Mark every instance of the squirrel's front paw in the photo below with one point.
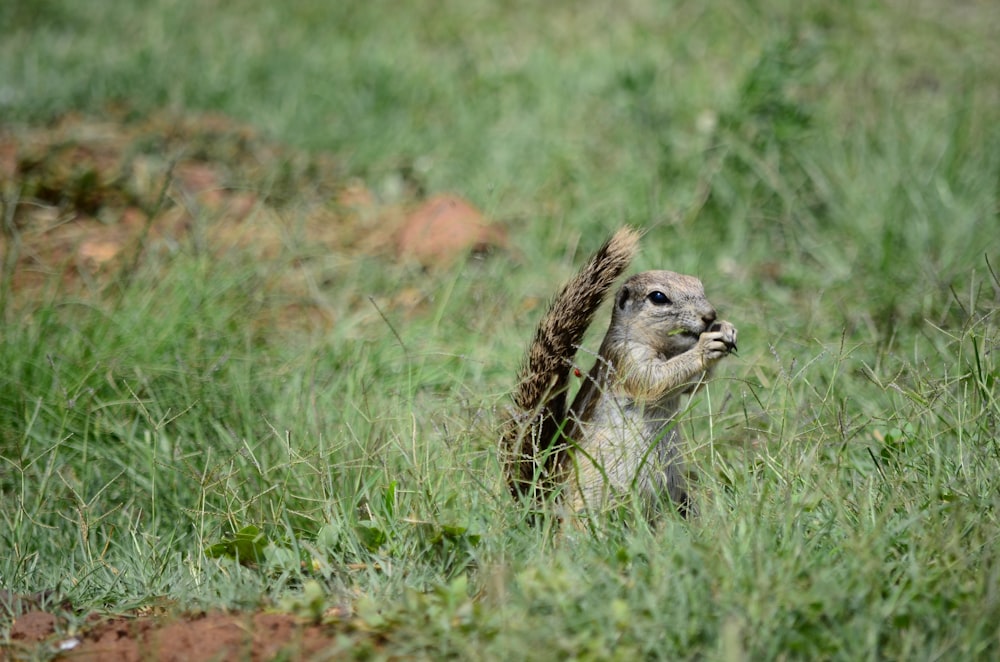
(728, 332)
(719, 340)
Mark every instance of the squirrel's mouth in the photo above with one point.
(684, 335)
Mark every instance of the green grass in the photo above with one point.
(829, 170)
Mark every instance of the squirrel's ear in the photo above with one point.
(622, 297)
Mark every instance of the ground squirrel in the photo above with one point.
(619, 434)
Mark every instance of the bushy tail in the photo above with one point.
(530, 435)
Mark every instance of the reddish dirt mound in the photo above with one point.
(443, 228)
(90, 197)
(204, 636)
(212, 636)
(33, 627)
(83, 194)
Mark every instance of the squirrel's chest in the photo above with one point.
(623, 422)
(628, 443)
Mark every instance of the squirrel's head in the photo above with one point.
(664, 310)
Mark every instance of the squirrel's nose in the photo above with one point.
(708, 317)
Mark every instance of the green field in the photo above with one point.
(831, 171)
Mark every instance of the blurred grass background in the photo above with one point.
(830, 171)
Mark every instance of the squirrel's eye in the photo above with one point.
(658, 298)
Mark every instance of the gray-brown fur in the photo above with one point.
(531, 432)
(622, 420)
(619, 434)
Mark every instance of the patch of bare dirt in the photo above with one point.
(84, 199)
(33, 626)
(211, 636)
(444, 228)
(82, 194)
(216, 635)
